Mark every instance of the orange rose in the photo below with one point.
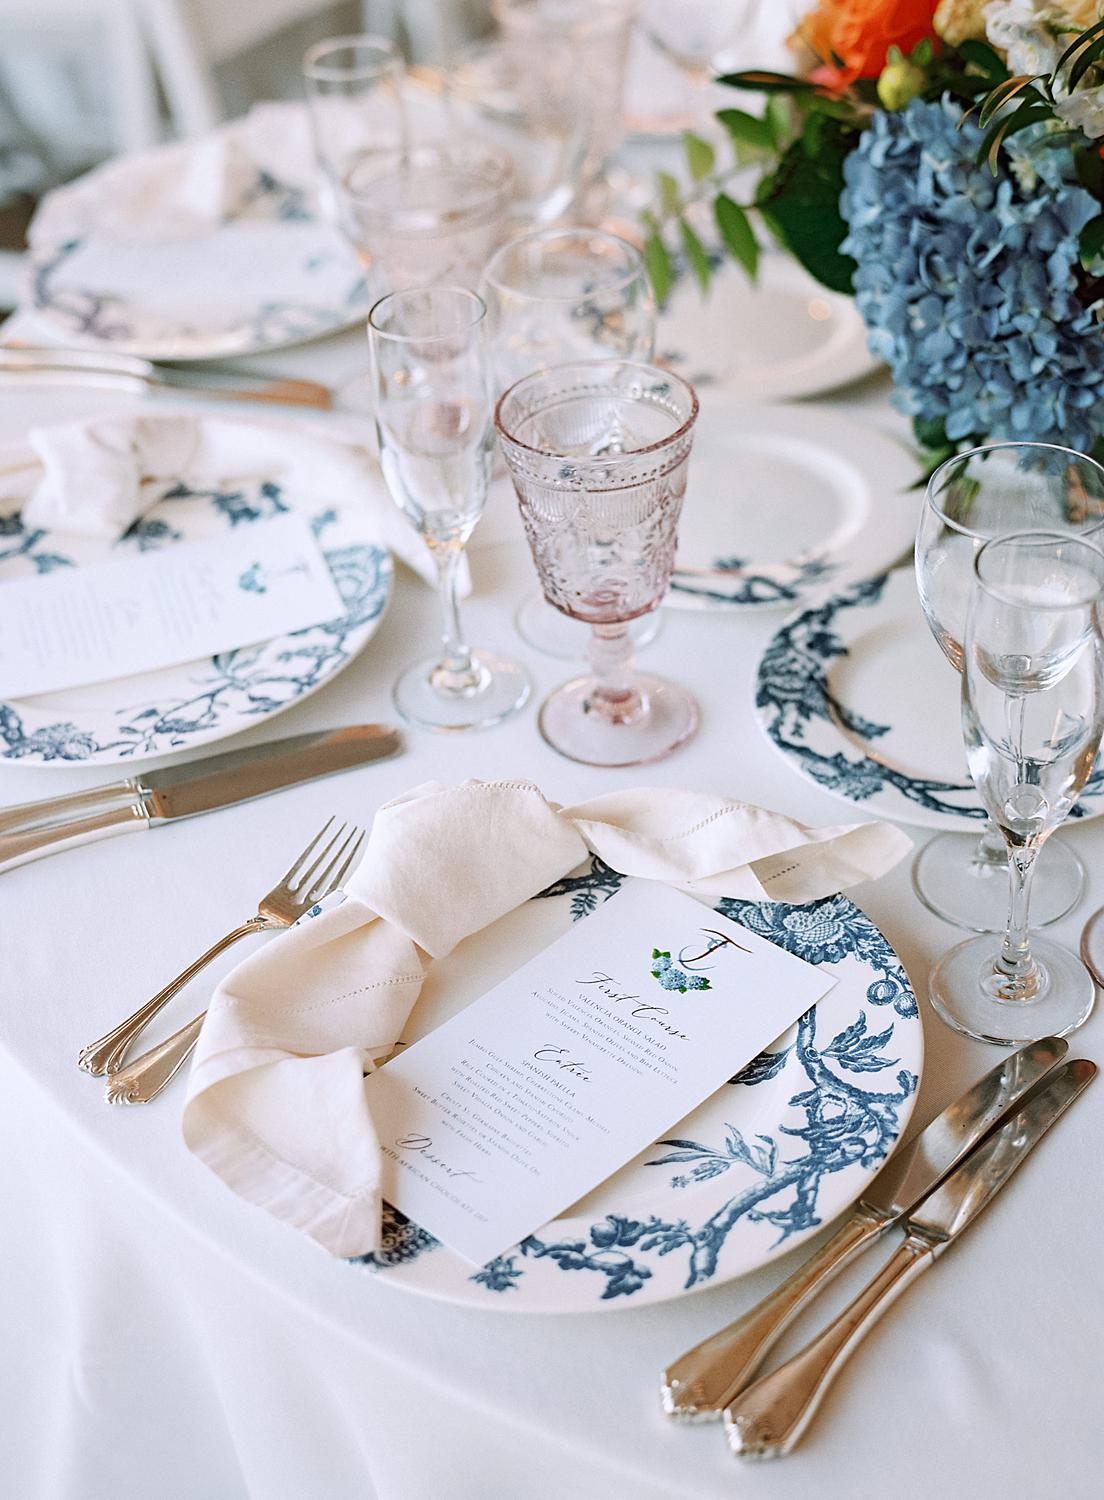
(861, 32)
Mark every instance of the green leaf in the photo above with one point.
(746, 129)
(670, 194)
(1084, 61)
(779, 119)
(700, 156)
(923, 53)
(1007, 125)
(1083, 39)
(981, 56)
(1091, 241)
(657, 262)
(737, 233)
(1090, 169)
(762, 81)
(1004, 93)
(695, 254)
(799, 203)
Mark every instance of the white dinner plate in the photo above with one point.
(775, 1154)
(782, 337)
(783, 502)
(858, 697)
(257, 271)
(180, 707)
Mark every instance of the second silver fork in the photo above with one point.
(317, 871)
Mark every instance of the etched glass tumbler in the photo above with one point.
(1032, 714)
(973, 497)
(598, 453)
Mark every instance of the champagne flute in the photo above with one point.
(978, 495)
(431, 387)
(598, 452)
(353, 86)
(553, 297)
(1032, 716)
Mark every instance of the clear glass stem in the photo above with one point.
(1016, 969)
(991, 850)
(456, 672)
(615, 695)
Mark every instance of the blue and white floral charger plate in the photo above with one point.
(201, 249)
(181, 707)
(785, 502)
(855, 693)
(782, 1149)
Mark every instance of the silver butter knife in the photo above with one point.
(37, 828)
(768, 1419)
(129, 372)
(699, 1385)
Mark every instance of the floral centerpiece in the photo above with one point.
(944, 163)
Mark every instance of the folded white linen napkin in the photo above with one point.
(93, 478)
(276, 1101)
(185, 188)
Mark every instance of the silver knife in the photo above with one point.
(130, 372)
(768, 1418)
(36, 828)
(699, 1385)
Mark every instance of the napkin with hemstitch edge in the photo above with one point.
(276, 1102)
(96, 478)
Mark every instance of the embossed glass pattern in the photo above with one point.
(598, 453)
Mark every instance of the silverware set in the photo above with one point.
(934, 1189)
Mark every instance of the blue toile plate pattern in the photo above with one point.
(177, 708)
(855, 693)
(786, 1146)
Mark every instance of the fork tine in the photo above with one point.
(325, 882)
(297, 864)
(345, 868)
(306, 879)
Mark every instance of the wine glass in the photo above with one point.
(432, 393)
(354, 100)
(598, 453)
(693, 33)
(980, 494)
(572, 53)
(554, 297)
(433, 213)
(1032, 716)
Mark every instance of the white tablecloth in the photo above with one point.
(162, 1338)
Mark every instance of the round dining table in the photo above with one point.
(163, 1338)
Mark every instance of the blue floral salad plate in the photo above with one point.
(782, 1149)
(783, 503)
(856, 694)
(200, 249)
(178, 708)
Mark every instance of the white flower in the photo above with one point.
(1083, 110)
(1028, 31)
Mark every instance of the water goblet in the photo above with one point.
(433, 213)
(354, 95)
(1032, 716)
(553, 297)
(598, 454)
(431, 386)
(978, 495)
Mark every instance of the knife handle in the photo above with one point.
(62, 809)
(19, 847)
(768, 1418)
(699, 1385)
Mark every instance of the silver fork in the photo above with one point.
(305, 883)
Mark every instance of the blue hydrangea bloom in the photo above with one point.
(967, 281)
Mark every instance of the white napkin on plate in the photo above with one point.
(276, 1102)
(93, 478)
(183, 189)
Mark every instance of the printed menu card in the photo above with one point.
(75, 626)
(501, 1118)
